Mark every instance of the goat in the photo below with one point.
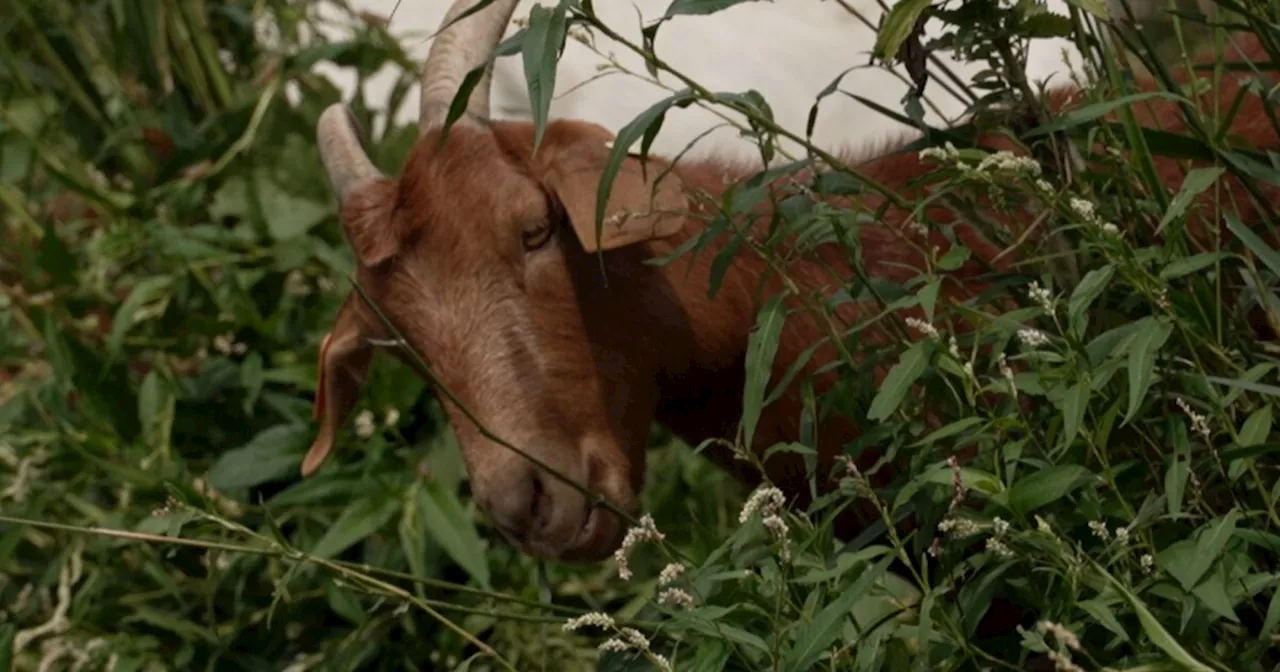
(483, 254)
(789, 52)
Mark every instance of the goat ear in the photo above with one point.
(368, 217)
(644, 202)
(345, 355)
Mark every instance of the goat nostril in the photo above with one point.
(539, 504)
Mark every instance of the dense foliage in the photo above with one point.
(171, 260)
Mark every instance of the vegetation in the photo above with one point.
(171, 260)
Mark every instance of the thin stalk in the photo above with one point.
(768, 124)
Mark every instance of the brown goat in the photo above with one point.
(482, 254)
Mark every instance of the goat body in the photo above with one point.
(482, 254)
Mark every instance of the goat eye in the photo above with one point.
(536, 234)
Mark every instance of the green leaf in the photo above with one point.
(897, 26)
(711, 655)
(1188, 265)
(1090, 112)
(175, 623)
(148, 290)
(1099, 9)
(543, 42)
(1154, 631)
(1047, 486)
(898, 382)
(272, 454)
(1103, 614)
(948, 430)
(462, 96)
(1085, 293)
(283, 215)
(626, 137)
(723, 630)
(1143, 349)
(1175, 485)
(973, 479)
(1209, 544)
(7, 632)
(1257, 428)
(1074, 405)
(1255, 244)
(156, 408)
(826, 626)
(361, 519)
(699, 6)
(762, 345)
(929, 298)
(1272, 619)
(1213, 593)
(444, 518)
(288, 216)
(1260, 388)
(954, 258)
(344, 603)
(251, 378)
(1196, 181)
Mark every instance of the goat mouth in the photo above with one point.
(590, 526)
(598, 538)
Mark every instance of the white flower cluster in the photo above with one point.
(228, 345)
(853, 479)
(627, 638)
(1007, 372)
(677, 596)
(923, 327)
(1004, 160)
(296, 284)
(647, 530)
(998, 547)
(766, 501)
(1033, 338)
(1041, 296)
(1199, 422)
(954, 348)
(594, 619)
(365, 426)
(1061, 662)
(995, 543)
(673, 595)
(959, 528)
(944, 154)
(778, 528)
(630, 638)
(1060, 633)
(670, 573)
(1087, 212)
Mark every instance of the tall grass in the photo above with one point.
(171, 260)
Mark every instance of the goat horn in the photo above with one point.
(342, 151)
(457, 50)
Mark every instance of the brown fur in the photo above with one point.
(574, 370)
